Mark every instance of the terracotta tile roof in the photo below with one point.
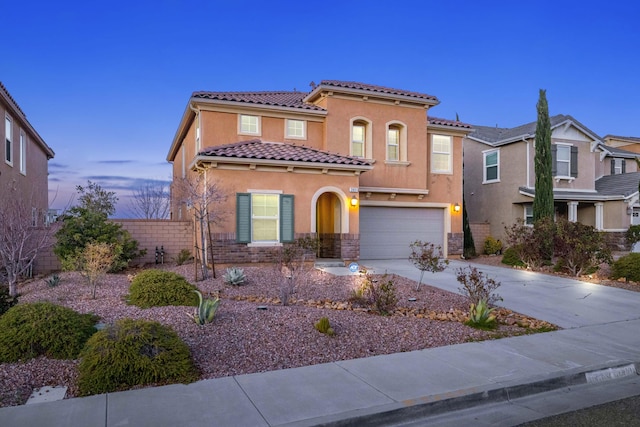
(263, 150)
(446, 122)
(291, 99)
(376, 89)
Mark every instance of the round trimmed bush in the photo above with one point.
(511, 257)
(43, 328)
(157, 288)
(628, 267)
(134, 352)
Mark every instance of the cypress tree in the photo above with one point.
(543, 201)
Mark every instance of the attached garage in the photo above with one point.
(387, 232)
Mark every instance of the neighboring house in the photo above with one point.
(628, 143)
(593, 183)
(357, 165)
(25, 156)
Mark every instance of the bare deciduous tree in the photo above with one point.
(95, 261)
(201, 194)
(151, 201)
(22, 237)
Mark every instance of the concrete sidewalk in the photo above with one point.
(391, 389)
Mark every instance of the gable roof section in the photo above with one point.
(17, 112)
(623, 138)
(618, 152)
(279, 153)
(449, 123)
(496, 136)
(364, 89)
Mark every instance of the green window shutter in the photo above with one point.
(574, 161)
(243, 218)
(286, 218)
(554, 156)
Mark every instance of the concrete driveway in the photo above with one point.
(565, 302)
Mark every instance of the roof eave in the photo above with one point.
(200, 159)
(257, 106)
(315, 94)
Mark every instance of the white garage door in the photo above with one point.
(387, 232)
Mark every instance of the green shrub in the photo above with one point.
(581, 247)
(511, 257)
(132, 353)
(492, 246)
(183, 256)
(323, 326)
(157, 288)
(6, 300)
(43, 328)
(628, 267)
(380, 297)
(633, 234)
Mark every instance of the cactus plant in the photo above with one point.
(234, 276)
(206, 310)
(323, 326)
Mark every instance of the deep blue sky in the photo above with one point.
(106, 82)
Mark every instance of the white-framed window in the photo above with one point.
(491, 166)
(34, 217)
(358, 135)
(265, 217)
(249, 125)
(296, 129)
(23, 153)
(393, 143)
(563, 160)
(198, 133)
(528, 214)
(441, 154)
(8, 140)
(618, 166)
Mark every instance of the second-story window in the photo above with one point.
(295, 129)
(491, 166)
(8, 145)
(23, 153)
(441, 154)
(564, 160)
(393, 143)
(618, 166)
(249, 125)
(358, 134)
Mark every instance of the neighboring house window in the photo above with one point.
(358, 133)
(8, 146)
(184, 161)
(23, 153)
(34, 217)
(441, 161)
(264, 218)
(249, 125)
(393, 143)
(564, 160)
(618, 166)
(491, 166)
(528, 214)
(295, 129)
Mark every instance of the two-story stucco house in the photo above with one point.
(629, 143)
(594, 184)
(361, 167)
(25, 155)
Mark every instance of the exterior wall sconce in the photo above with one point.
(354, 201)
(456, 207)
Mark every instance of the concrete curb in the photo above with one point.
(421, 408)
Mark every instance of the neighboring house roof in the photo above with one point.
(449, 123)
(618, 152)
(499, 136)
(292, 99)
(609, 187)
(281, 152)
(17, 111)
(626, 138)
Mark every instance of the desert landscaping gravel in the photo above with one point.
(244, 339)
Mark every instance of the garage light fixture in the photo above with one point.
(354, 201)
(456, 207)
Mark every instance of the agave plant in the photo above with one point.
(234, 276)
(206, 310)
(480, 315)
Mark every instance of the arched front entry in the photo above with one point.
(329, 225)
